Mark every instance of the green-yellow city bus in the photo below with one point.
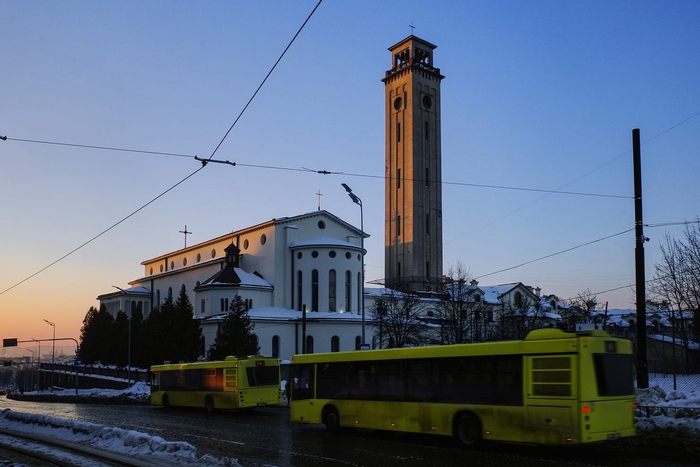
(240, 382)
(551, 388)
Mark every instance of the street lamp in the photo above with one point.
(53, 351)
(128, 352)
(356, 199)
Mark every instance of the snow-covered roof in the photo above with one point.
(272, 313)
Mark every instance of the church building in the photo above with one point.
(301, 277)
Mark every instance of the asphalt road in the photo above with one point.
(266, 437)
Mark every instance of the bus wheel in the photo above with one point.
(331, 419)
(209, 404)
(467, 430)
(166, 401)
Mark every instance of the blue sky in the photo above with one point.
(538, 95)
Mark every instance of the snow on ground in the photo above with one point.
(128, 442)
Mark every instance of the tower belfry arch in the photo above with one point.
(413, 168)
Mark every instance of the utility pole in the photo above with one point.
(642, 364)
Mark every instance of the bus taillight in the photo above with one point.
(585, 409)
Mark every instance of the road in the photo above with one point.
(265, 437)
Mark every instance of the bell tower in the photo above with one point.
(413, 168)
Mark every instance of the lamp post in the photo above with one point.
(356, 199)
(128, 352)
(53, 351)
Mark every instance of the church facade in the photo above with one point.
(301, 277)
(280, 268)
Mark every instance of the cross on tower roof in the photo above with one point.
(413, 28)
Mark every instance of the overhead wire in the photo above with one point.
(176, 184)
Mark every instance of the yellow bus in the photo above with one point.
(240, 382)
(551, 388)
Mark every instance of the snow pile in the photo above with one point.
(116, 440)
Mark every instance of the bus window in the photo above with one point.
(613, 373)
(363, 384)
(333, 380)
(391, 380)
(423, 385)
(263, 375)
(303, 377)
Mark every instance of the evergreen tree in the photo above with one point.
(94, 335)
(189, 342)
(235, 335)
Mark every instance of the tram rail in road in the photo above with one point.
(66, 454)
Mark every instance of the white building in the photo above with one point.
(280, 267)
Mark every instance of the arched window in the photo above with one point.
(359, 291)
(518, 299)
(299, 289)
(335, 344)
(158, 298)
(331, 290)
(276, 346)
(314, 290)
(348, 290)
(358, 341)
(309, 344)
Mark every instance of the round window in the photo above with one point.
(299, 255)
(151, 271)
(184, 261)
(213, 253)
(398, 102)
(331, 253)
(161, 268)
(246, 244)
(263, 239)
(347, 254)
(172, 265)
(199, 257)
(358, 257)
(321, 225)
(314, 254)
(427, 102)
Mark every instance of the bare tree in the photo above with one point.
(460, 313)
(677, 276)
(676, 285)
(581, 309)
(516, 321)
(398, 317)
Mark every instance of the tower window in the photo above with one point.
(427, 224)
(398, 178)
(427, 132)
(398, 226)
(398, 132)
(427, 177)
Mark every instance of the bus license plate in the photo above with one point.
(613, 437)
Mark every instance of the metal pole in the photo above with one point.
(642, 363)
(362, 285)
(53, 351)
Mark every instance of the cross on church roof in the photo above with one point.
(185, 232)
(413, 28)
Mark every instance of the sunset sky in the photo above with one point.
(539, 95)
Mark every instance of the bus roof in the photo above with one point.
(539, 341)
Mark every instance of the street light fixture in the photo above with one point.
(53, 351)
(128, 352)
(356, 199)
